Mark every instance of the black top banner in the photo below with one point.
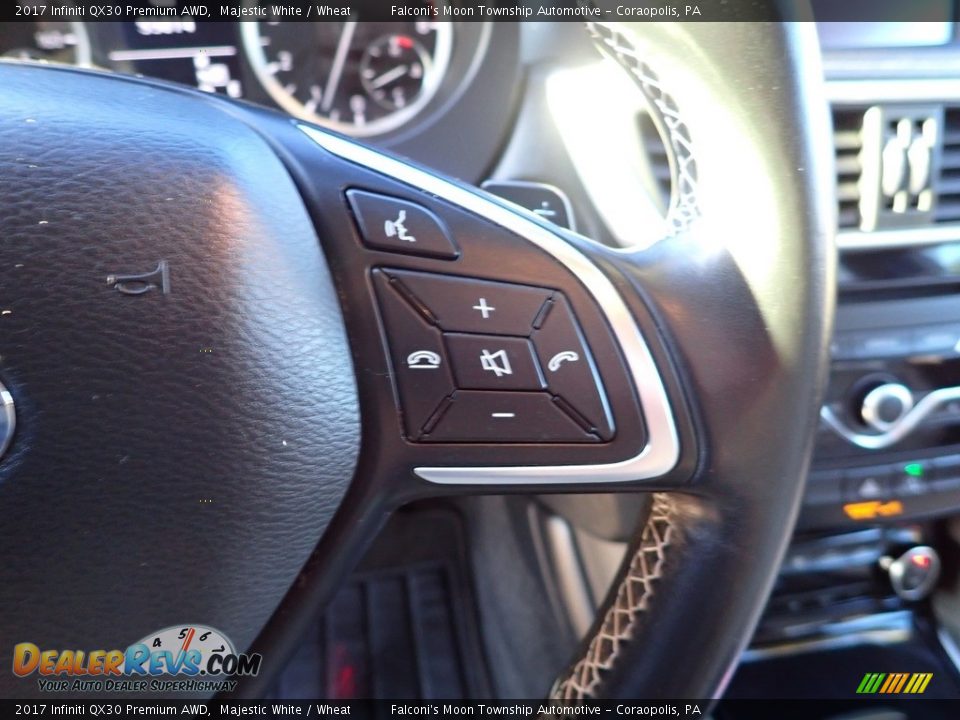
(481, 10)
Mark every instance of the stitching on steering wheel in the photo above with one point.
(613, 42)
(646, 567)
(632, 599)
(638, 585)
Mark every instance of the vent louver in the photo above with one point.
(863, 156)
(948, 182)
(848, 143)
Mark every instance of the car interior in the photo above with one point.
(473, 359)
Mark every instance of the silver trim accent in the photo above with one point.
(181, 53)
(663, 445)
(870, 408)
(905, 237)
(572, 583)
(873, 91)
(906, 425)
(871, 160)
(8, 419)
(83, 52)
(868, 92)
(949, 646)
(883, 629)
(903, 62)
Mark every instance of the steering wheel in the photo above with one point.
(234, 343)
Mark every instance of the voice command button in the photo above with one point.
(395, 225)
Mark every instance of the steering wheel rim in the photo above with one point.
(737, 500)
(617, 657)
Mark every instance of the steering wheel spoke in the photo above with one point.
(497, 354)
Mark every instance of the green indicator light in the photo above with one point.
(913, 469)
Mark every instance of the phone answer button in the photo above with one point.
(568, 367)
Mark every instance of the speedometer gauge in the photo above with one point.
(62, 42)
(362, 78)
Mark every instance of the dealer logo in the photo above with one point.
(180, 651)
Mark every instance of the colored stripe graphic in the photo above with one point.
(903, 681)
(870, 683)
(894, 683)
(910, 685)
(918, 683)
(893, 679)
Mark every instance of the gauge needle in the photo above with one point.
(389, 76)
(339, 58)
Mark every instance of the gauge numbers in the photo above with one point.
(362, 78)
(61, 42)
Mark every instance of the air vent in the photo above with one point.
(848, 142)
(948, 182)
(657, 157)
(889, 170)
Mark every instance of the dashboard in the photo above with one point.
(883, 23)
(359, 78)
(403, 85)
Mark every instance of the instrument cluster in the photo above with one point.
(362, 78)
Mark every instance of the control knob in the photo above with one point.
(914, 573)
(885, 406)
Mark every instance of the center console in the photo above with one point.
(888, 446)
(870, 546)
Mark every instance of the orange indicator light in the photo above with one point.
(873, 509)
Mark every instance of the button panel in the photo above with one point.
(910, 479)
(867, 484)
(891, 492)
(483, 361)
